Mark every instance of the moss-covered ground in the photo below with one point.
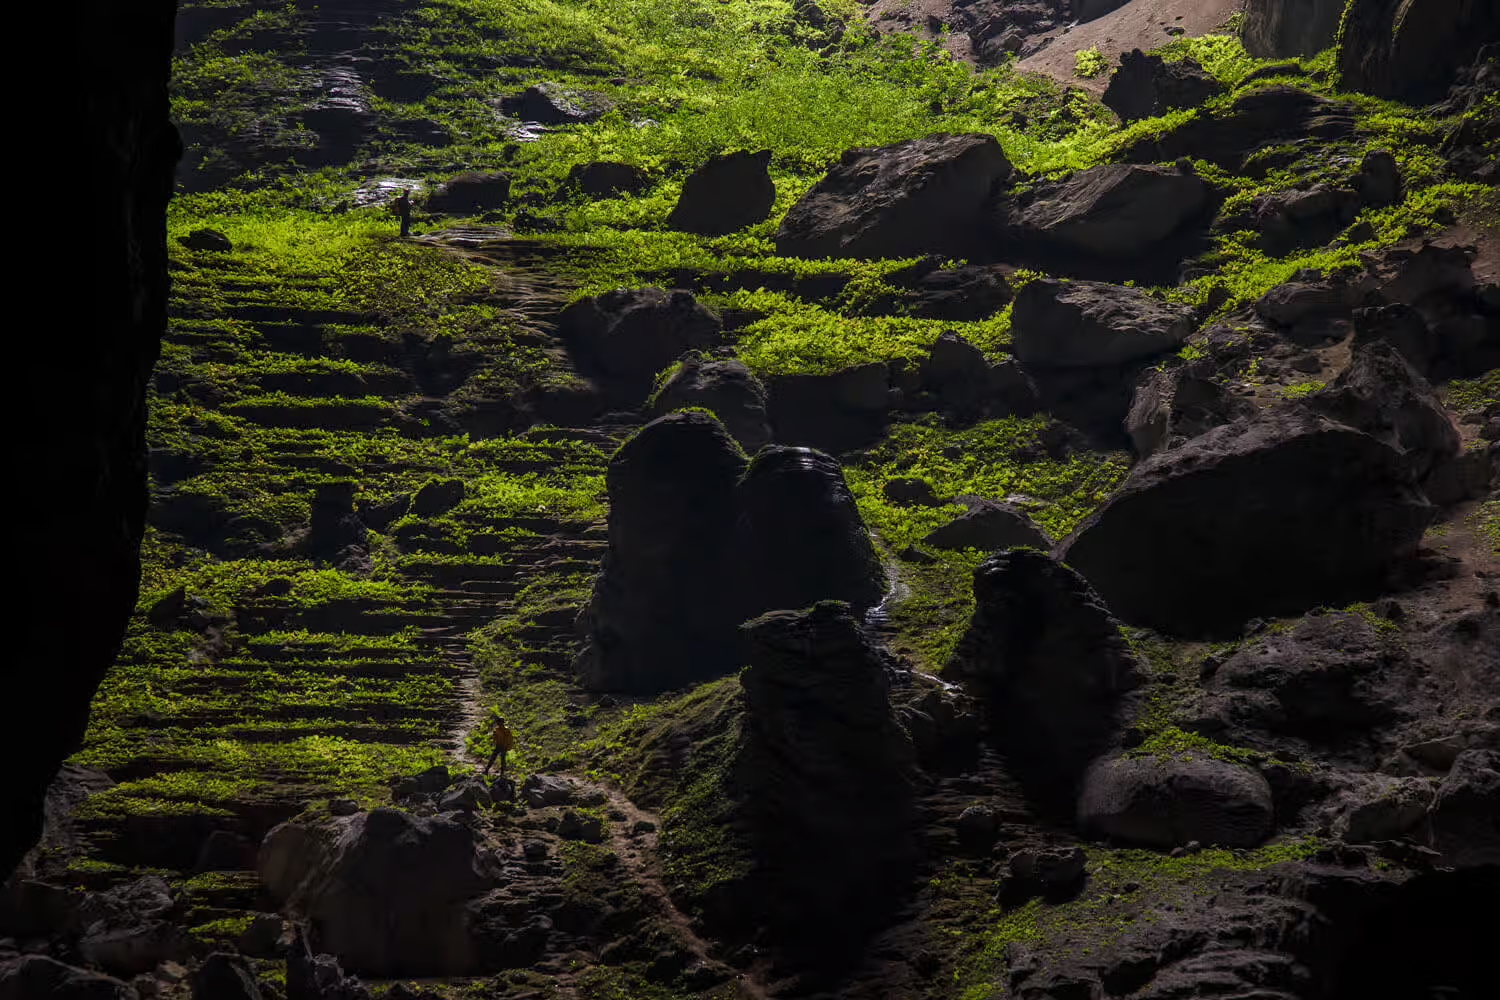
(322, 349)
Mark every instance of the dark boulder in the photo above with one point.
(1382, 395)
(724, 386)
(1116, 210)
(224, 976)
(1265, 516)
(553, 104)
(835, 412)
(800, 538)
(1044, 653)
(1149, 86)
(1088, 324)
(1329, 680)
(1385, 51)
(1173, 405)
(1301, 218)
(962, 294)
(210, 240)
(606, 179)
(1308, 311)
(1379, 181)
(623, 338)
(662, 614)
(922, 196)
(825, 778)
(988, 525)
(1466, 815)
(1276, 29)
(130, 929)
(1257, 119)
(909, 491)
(1167, 802)
(318, 976)
(334, 524)
(386, 891)
(725, 195)
(473, 192)
(35, 977)
(963, 382)
(437, 497)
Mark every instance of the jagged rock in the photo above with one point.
(1401, 326)
(1174, 405)
(606, 179)
(224, 976)
(210, 240)
(944, 726)
(1382, 395)
(725, 195)
(1054, 875)
(312, 976)
(1385, 52)
(1073, 324)
(909, 491)
(1290, 220)
(168, 609)
(1320, 513)
(962, 294)
(661, 613)
(437, 497)
(1168, 802)
(1149, 86)
(575, 827)
(1045, 654)
(626, 336)
(724, 386)
(33, 977)
(1466, 815)
(1377, 808)
(473, 192)
(800, 537)
(825, 774)
(467, 795)
(988, 525)
(1256, 120)
(1326, 680)
(540, 790)
(1114, 210)
(966, 384)
(1414, 276)
(1308, 311)
(552, 104)
(429, 782)
(380, 515)
(1276, 29)
(386, 890)
(128, 930)
(264, 937)
(921, 196)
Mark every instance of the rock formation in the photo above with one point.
(1149, 86)
(725, 387)
(623, 338)
(725, 195)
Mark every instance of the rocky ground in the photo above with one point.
(937, 531)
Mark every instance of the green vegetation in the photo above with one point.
(1089, 63)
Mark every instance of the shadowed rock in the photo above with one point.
(1174, 405)
(725, 195)
(825, 780)
(1255, 120)
(662, 613)
(724, 386)
(623, 338)
(39, 976)
(1265, 516)
(1044, 652)
(1114, 210)
(921, 196)
(1386, 51)
(988, 525)
(476, 191)
(1149, 86)
(800, 538)
(1466, 816)
(1168, 802)
(605, 179)
(553, 104)
(1088, 324)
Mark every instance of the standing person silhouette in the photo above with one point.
(504, 740)
(403, 209)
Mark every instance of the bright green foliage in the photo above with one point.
(1089, 63)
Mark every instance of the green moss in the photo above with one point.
(1089, 63)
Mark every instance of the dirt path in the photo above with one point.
(1140, 24)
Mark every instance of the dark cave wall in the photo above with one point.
(87, 302)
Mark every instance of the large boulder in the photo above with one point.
(624, 337)
(554, 104)
(824, 776)
(1257, 119)
(130, 929)
(1166, 802)
(1265, 516)
(1382, 395)
(835, 412)
(386, 892)
(34, 977)
(1466, 815)
(1115, 210)
(800, 538)
(961, 381)
(921, 196)
(964, 293)
(1043, 651)
(725, 195)
(1148, 86)
(606, 179)
(476, 191)
(1385, 51)
(725, 386)
(1089, 324)
(662, 612)
(1173, 405)
(989, 525)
